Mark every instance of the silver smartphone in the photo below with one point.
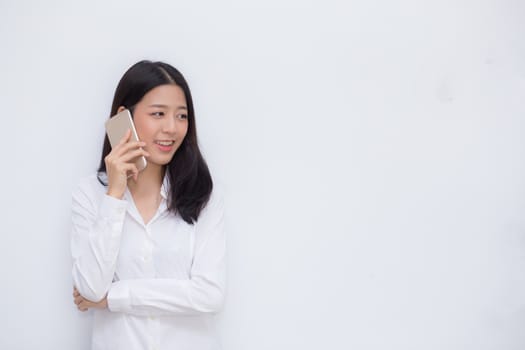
(116, 128)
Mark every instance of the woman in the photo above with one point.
(149, 247)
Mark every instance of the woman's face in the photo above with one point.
(161, 120)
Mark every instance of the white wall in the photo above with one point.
(372, 154)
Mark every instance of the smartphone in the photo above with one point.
(116, 128)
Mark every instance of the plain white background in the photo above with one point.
(371, 153)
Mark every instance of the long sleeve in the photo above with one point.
(95, 240)
(202, 293)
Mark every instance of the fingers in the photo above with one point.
(123, 148)
(130, 169)
(134, 154)
(125, 144)
(120, 151)
(82, 304)
(121, 163)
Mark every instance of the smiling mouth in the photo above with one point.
(165, 143)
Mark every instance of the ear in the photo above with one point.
(120, 109)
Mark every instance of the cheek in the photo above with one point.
(183, 134)
(143, 129)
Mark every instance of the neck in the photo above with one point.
(148, 182)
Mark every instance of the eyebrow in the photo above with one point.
(165, 106)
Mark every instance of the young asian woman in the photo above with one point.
(149, 247)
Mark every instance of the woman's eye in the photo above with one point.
(183, 116)
(157, 114)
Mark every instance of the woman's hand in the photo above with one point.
(119, 164)
(83, 304)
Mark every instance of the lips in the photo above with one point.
(165, 145)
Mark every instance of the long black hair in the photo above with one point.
(189, 178)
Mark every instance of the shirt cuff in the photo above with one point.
(118, 297)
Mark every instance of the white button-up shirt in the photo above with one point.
(164, 280)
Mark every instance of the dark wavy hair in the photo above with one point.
(188, 174)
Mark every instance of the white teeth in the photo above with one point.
(164, 143)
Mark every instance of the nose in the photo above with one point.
(170, 125)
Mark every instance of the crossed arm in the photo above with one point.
(95, 245)
(83, 304)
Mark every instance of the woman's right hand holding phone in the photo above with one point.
(120, 165)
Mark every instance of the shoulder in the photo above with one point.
(88, 188)
(89, 183)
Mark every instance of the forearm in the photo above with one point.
(158, 297)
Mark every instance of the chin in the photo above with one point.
(160, 162)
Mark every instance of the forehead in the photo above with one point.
(170, 95)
